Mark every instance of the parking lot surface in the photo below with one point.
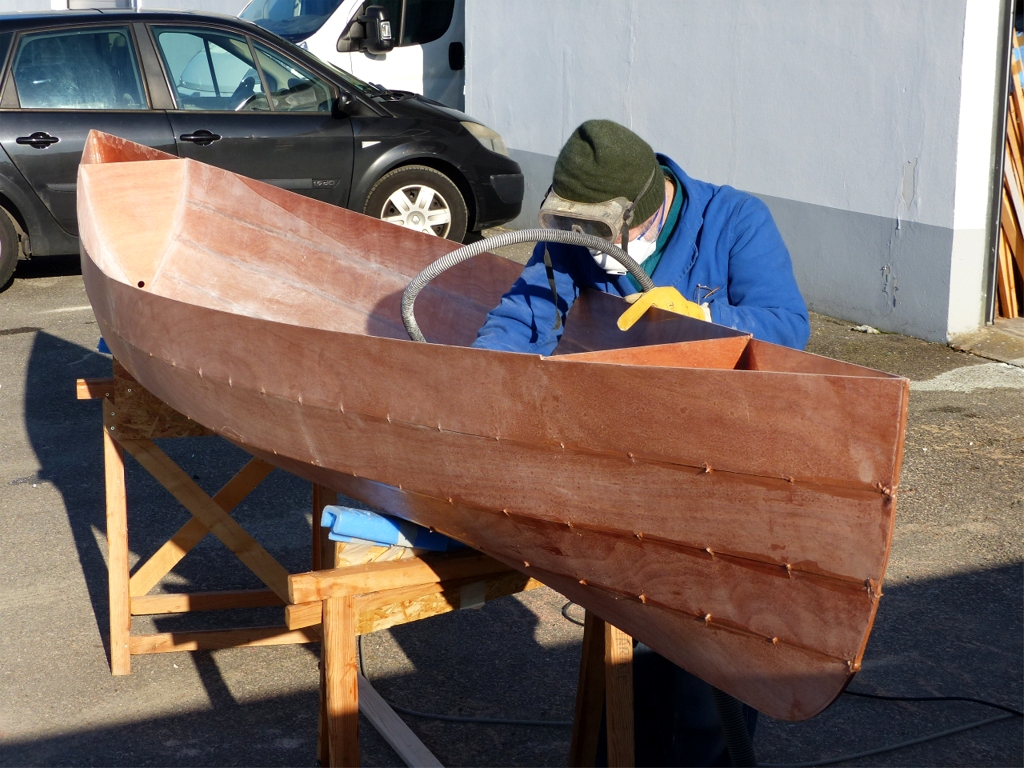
(949, 624)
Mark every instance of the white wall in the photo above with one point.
(845, 117)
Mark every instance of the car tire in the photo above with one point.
(8, 248)
(419, 198)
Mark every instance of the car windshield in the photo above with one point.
(294, 20)
(363, 87)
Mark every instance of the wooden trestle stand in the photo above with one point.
(347, 594)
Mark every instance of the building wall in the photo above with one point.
(846, 118)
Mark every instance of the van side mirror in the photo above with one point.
(378, 30)
(370, 32)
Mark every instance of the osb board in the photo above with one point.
(403, 611)
(137, 414)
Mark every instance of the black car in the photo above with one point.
(228, 93)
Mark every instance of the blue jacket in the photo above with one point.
(725, 241)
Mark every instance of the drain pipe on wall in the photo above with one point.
(1002, 105)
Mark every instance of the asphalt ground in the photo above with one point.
(950, 622)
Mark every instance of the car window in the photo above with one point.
(291, 19)
(5, 44)
(426, 20)
(78, 69)
(416, 22)
(210, 70)
(292, 88)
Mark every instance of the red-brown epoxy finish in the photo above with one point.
(726, 501)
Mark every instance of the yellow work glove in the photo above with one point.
(663, 297)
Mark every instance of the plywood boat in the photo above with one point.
(726, 501)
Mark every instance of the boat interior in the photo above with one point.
(202, 235)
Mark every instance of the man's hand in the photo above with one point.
(663, 297)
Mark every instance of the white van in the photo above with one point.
(420, 44)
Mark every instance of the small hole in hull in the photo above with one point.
(142, 283)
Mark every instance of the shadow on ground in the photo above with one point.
(956, 634)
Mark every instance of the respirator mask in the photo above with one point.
(607, 220)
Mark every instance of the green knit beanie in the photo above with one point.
(603, 160)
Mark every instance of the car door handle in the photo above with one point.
(201, 137)
(39, 140)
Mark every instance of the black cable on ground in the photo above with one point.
(567, 617)
(1008, 712)
(984, 703)
(890, 747)
(459, 718)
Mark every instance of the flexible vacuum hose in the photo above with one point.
(734, 726)
(511, 238)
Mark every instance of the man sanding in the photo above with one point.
(721, 250)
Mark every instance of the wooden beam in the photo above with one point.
(394, 730)
(220, 524)
(323, 548)
(374, 577)
(147, 605)
(618, 677)
(380, 610)
(117, 557)
(211, 640)
(173, 550)
(1014, 236)
(586, 723)
(92, 389)
(341, 669)
(325, 554)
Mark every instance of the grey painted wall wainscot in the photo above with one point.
(867, 127)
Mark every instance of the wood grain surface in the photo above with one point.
(726, 501)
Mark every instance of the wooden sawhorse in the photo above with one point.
(132, 419)
(378, 587)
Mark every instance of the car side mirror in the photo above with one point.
(377, 28)
(342, 104)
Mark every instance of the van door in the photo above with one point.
(429, 53)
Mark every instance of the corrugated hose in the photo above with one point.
(500, 241)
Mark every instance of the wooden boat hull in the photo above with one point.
(728, 502)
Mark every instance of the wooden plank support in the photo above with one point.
(374, 577)
(117, 557)
(380, 610)
(618, 677)
(189, 535)
(586, 724)
(325, 553)
(215, 639)
(219, 523)
(396, 733)
(148, 605)
(341, 671)
(93, 389)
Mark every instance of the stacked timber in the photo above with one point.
(1010, 264)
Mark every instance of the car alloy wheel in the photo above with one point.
(418, 207)
(419, 198)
